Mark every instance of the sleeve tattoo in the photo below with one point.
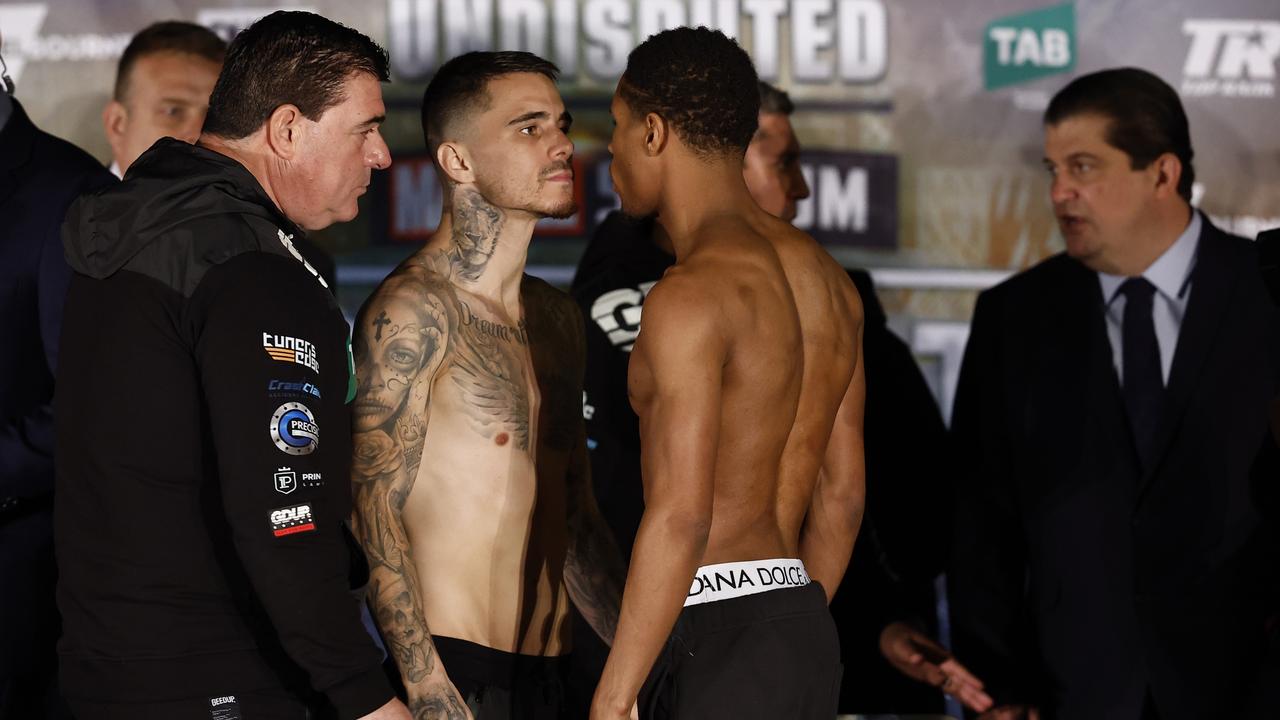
(594, 570)
(402, 338)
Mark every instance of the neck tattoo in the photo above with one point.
(476, 225)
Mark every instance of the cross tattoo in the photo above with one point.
(379, 322)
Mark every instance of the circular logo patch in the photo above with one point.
(294, 429)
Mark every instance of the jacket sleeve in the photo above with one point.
(26, 440)
(612, 431)
(987, 577)
(272, 361)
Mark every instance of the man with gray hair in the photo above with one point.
(205, 565)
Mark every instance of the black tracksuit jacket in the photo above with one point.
(202, 450)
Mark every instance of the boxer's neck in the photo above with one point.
(486, 246)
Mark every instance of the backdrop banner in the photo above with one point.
(920, 121)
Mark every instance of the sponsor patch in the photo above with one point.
(283, 348)
(288, 387)
(312, 480)
(286, 481)
(225, 707)
(292, 520)
(294, 429)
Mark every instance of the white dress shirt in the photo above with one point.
(1171, 274)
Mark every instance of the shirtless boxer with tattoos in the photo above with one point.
(748, 384)
(473, 498)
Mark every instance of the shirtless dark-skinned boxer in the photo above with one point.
(748, 384)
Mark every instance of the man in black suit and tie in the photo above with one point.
(39, 177)
(1115, 554)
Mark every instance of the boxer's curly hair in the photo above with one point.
(699, 81)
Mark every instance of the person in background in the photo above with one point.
(163, 82)
(162, 89)
(39, 177)
(1116, 537)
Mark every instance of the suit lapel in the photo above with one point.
(1212, 287)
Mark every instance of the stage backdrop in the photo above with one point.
(920, 120)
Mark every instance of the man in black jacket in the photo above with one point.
(39, 177)
(202, 435)
(1115, 554)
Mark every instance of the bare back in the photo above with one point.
(788, 317)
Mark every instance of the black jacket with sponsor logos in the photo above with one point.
(202, 446)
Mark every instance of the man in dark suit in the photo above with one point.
(1115, 550)
(39, 177)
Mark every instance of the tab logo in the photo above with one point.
(292, 520)
(283, 348)
(1231, 58)
(1029, 46)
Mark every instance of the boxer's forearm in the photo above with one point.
(397, 608)
(839, 497)
(826, 542)
(394, 589)
(594, 572)
(668, 550)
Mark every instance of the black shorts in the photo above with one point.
(770, 655)
(499, 685)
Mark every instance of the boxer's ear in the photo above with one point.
(454, 161)
(657, 132)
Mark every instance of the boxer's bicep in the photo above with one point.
(677, 372)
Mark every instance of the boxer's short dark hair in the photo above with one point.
(701, 82)
(288, 58)
(459, 88)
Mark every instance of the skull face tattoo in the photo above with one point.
(398, 344)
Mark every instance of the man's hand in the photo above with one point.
(917, 656)
(393, 710)
(1011, 712)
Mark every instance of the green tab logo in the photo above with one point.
(1028, 46)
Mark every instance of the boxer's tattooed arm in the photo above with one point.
(401, 340)
(594, 569)
(438, 706)
(476, 224)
